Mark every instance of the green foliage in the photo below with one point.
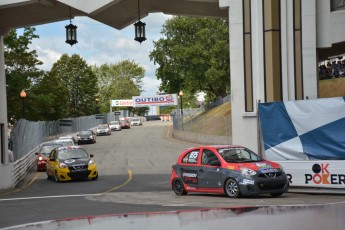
(118, 81)
(48, 99)
(20, 69)
(193, 56)
(80, 82)
(141, 111)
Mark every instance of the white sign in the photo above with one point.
(121, 103)
(158, 100)
(315, 174)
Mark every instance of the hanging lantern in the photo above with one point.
(71, 34)
(71, 31)
(139, 27)
(140, 31)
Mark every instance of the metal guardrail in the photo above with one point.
(22, 166)
(30, 135)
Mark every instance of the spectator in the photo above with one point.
(10, 156)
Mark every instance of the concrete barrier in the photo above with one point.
(314, 217)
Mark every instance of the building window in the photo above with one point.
(337, 5)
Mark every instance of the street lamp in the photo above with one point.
(181, 95)
(23, 96)
(97, 102)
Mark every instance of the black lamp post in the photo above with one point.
(139, 28)
(97, 102)
(97, 99)
(71, 31)
(181, 95)
(23, 96)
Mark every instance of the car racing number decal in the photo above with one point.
(266, 168)
(191, 157)
(190, 177)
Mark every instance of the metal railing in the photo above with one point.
(26, 135)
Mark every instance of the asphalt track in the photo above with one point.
(134, 167)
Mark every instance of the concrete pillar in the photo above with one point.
(5, 166)
(272, 58)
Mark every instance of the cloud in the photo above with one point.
(150, 86)
(100, 44)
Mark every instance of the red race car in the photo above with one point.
(226, 169)
(43, 153)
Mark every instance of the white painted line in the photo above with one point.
(47, 197)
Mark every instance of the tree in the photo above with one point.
(118, 81)
(81, 84)
(193, 56)
(20, 69)
(48, 99)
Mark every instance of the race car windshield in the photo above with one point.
(238, 155)
(72, 154)
(47, 149)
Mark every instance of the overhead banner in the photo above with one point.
(158, 100)
(304, 130)
(121, 103)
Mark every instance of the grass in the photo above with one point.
(332, 88)
(217, 121)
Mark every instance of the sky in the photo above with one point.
(100, 44)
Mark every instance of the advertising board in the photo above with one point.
(121, 103)
(158, 100)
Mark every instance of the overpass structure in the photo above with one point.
(275, 46)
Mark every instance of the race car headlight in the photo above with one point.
(91, 137)
(62, 165)
(40, 158)
(247, 171)
(91, 162)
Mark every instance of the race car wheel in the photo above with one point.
(56, 177)
(276, 194)
(231, 188)
(95, 178)
(48, 177)
(178, 187)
